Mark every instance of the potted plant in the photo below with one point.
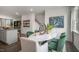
(49, 27)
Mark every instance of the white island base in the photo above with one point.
(8, 36)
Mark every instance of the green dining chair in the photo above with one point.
(56, 45)
(52, 45)
(29, 33)
(61, 42)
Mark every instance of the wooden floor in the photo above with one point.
(70, 47)
(15, 47)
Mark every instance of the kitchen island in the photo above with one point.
(8, 36)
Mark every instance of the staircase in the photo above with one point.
(42, 26)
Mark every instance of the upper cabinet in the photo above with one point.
(6, 23)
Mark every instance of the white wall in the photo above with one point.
(69, 32)
(60, 11)
(41, 18)
(36, 26)
(30, 17)
(24, 29)
(32, 21)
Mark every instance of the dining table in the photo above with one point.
(42, 41)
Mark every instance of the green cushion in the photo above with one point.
(62, 35)
(61, 42)
(53, 40)
(52, 44)
(57, 44)
(29, 33)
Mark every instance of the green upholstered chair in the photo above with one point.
(29, 33)
(61, 42)
(57, 44)
(52, 44)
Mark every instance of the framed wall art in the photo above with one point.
(57, 21)
(26, 23)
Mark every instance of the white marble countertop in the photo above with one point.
(44, 37)
(39, 37)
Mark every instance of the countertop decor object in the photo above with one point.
(49, 27)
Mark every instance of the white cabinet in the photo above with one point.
(2, 35)
(8, 36)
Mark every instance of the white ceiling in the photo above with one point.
(11, 10)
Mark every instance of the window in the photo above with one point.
(75, 19)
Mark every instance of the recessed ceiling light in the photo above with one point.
(17, 13)
(31, 9)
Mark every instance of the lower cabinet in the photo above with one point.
(8, 36)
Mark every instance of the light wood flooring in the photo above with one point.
(15, 47)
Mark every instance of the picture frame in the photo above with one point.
(57, 21)
(26, 23)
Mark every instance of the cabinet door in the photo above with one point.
(2, 36)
